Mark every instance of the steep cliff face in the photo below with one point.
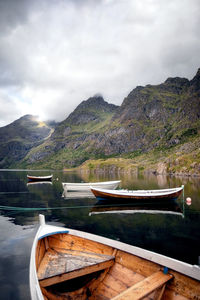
(154, 116)
(17, 138)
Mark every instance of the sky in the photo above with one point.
(56, 53)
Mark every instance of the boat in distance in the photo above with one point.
(70, 264)
(164, 194)
(39, 178)
(85, 186)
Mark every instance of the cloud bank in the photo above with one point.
(55, 54)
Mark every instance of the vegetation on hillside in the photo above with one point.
(156, 129)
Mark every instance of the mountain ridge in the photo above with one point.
(150, 117)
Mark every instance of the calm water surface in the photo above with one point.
(172, 229)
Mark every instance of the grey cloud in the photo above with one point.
(12, 14)
(54, 54)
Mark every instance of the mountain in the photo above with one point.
(17, 138)
(155, 116)
(73, 140)
(151, 118)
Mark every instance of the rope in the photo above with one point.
(29, 209)
(3, 193)
(14, 208)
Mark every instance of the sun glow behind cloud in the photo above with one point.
(55, 54)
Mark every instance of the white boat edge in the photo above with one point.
(43, 230)
(40, 177)
(192, 271)
(85, 186)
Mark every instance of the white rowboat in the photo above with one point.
(164, 194)
(85, 186)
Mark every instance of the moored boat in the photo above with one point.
(70, 264)
(85, 186)
(164, 194)
(39, 178)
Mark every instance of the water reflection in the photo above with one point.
(77, 195)
(39, 182)
(163, 230)
(127, 207)
(16, 242)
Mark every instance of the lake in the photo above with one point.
(171, 229)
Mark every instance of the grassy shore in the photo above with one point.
(183, 160)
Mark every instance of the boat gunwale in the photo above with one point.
(90, 183)
(48, 177)
(187, 269)
(150, 194)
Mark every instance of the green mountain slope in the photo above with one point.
(17, 138)
(73, 140)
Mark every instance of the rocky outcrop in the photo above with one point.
(90, 110)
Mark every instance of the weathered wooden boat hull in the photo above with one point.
(83, 186)
(69, 264)
(155, 195)
(39, 178)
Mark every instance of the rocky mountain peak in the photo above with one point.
(96, 102)
(90, 110)
(177, 81)
(175, 85)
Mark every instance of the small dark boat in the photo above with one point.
(152, 195)
(70, 264)
(39, 178)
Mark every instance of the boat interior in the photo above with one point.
(71, 267)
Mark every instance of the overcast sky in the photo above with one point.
(56, 53)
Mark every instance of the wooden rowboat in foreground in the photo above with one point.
(39, 178)
(85, 186)
(164, 194)
(69, 264)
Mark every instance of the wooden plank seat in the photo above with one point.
(68, 265)
(145, 287)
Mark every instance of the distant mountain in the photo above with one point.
(17, 138)
(73, 139)
(151, 117)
